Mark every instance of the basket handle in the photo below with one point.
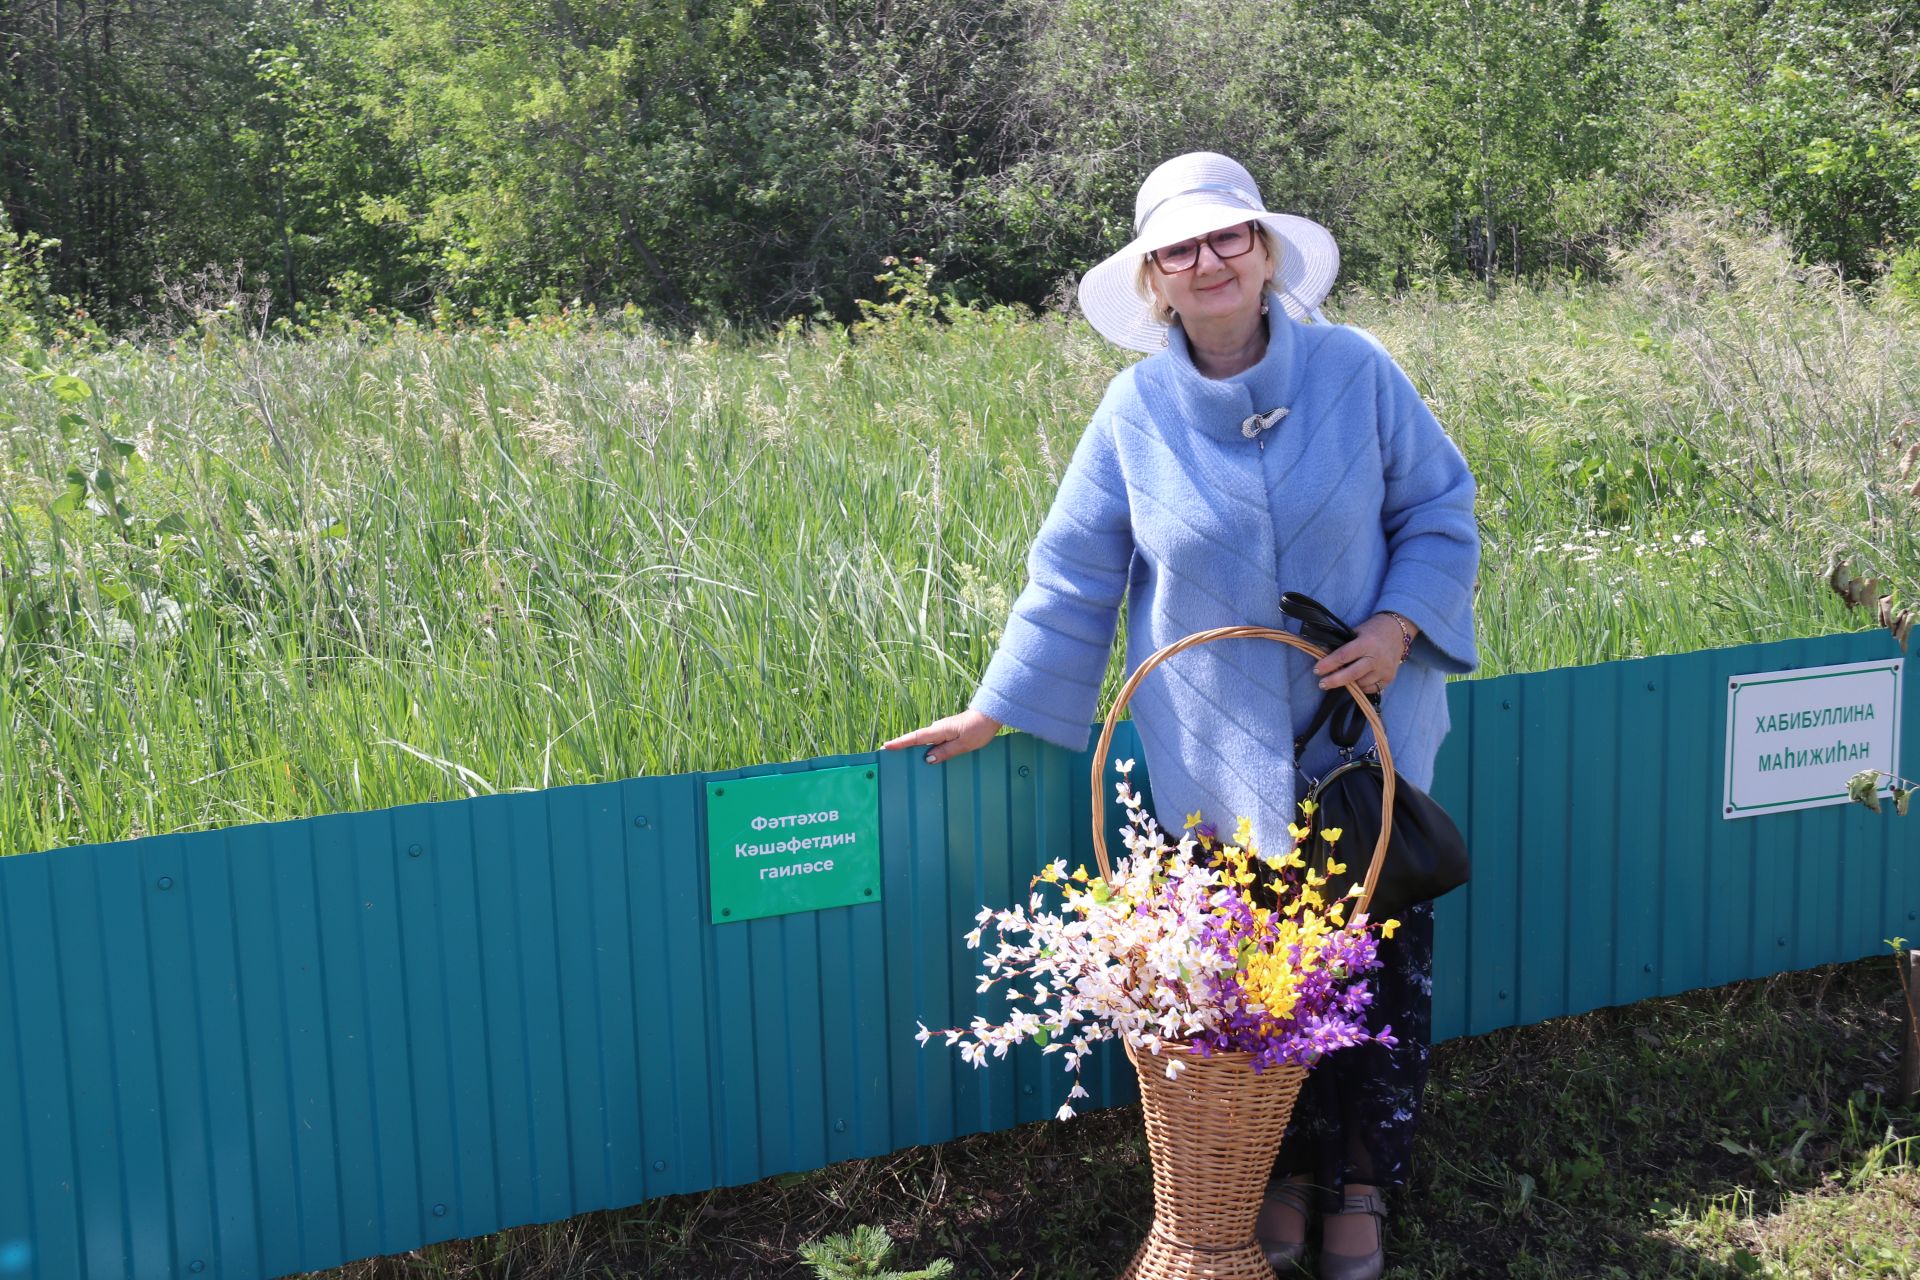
(1247, 633)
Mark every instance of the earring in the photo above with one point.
(1263, 308)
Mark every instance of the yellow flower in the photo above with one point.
(1297, 831)
(1193, 820)
(1307, 807)
(1243, 833)
(1386, 930)
(1332, 833)
(1336, 868)
(1080, 873)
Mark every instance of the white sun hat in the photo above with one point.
(1189, 196)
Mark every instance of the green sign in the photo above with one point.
(793, 842)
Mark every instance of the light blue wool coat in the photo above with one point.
(1355, 497)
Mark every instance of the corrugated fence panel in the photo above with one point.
(1605, 871)
(276, 1048)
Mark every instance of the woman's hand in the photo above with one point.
(953, 736)
(1371, 660)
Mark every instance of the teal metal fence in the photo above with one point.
(276, 1048)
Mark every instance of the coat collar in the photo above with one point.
(1219, 407)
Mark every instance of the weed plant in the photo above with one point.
(250, 579)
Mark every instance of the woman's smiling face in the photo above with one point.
(1215, 292)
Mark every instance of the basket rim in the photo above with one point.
(1237, 1059)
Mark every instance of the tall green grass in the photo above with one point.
(251, 580)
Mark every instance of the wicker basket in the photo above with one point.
(1214, 1131)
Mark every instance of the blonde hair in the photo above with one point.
(1143, 274)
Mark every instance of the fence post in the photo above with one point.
(1909, 966)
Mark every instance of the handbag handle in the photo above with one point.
(1321, 626)
(1247, 633)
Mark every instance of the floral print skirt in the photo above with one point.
(1356, 1114)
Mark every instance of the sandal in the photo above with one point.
(1285, 1255)
(1367, 1266)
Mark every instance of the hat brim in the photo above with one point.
(1309, 260)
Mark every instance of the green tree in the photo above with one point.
(1480, 130)
(1805, 112)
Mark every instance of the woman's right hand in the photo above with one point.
(954, 736)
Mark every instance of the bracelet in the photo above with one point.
(1406, 633)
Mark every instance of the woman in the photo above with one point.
(1252, 453)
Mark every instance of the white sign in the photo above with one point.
(1795, 737)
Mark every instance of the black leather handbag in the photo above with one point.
(1426, 854)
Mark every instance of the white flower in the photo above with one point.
(1123, 766)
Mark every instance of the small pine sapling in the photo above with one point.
(861, 1254)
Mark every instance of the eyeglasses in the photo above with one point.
(1228, 242)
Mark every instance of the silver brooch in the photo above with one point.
(1259, 422)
